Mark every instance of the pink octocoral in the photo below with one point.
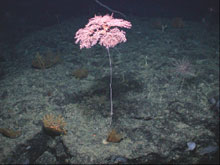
(102, 29)
(183, 68)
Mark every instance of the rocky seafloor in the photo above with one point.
(162, 115)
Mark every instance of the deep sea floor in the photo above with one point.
(165, 94)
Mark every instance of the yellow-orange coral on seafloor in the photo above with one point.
(46, 60)
(54, 125)
(177, 22)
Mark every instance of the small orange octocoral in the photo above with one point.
(114, 137)
(54, 125)
(177, 22)
(10, 133)
(47, 60)
(80, 73)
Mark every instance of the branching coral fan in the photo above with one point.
(103, 30)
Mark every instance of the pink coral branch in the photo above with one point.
(102, 30)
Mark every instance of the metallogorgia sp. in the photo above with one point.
(103, 30)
